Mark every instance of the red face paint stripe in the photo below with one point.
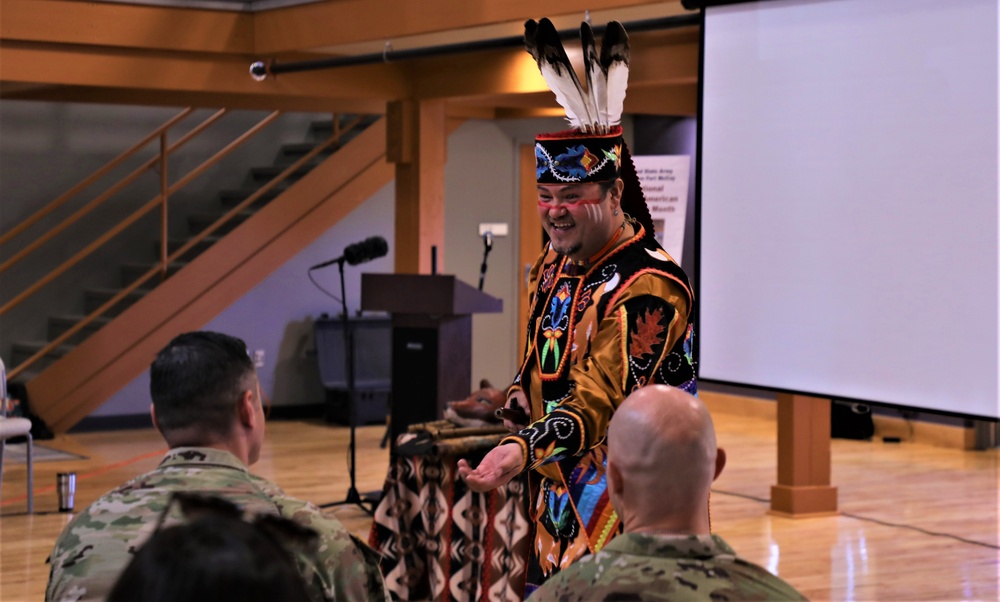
(569, 205)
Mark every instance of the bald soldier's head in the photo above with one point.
(662, 459)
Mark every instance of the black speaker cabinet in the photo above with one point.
(371, 406)
(372, 368)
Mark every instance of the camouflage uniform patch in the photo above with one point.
(97, 544)
(682, 568)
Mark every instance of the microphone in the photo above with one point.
(370, 248)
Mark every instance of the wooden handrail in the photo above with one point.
(58, 201)
(253, 197)
(115, 299)
(164, 197)
(99, 200)
(82, 254)
(197, 171)
(82, 323)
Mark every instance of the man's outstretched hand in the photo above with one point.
(500, 465)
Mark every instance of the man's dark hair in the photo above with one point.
(197, 379)
(605, 185)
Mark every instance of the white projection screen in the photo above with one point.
(848, 206)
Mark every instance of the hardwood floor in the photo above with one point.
(916, 523)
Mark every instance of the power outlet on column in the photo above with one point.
(258, 358)
(497, 228)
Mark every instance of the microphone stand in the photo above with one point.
(487, 247)
(353, 497)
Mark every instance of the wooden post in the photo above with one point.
(417, 144)
(529, 231)
(803, 487)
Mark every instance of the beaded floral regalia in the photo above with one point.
(591, 340)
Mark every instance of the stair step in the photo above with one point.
(268, 173)
(173, 244)
(232, 197)
(199, 221)
(290, 153)
(96, 297)
(130, 272)
(60, 324)
(293, 152)
(323, 129)
(20, 352)
(26, 376)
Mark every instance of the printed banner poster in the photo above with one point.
(664, 180)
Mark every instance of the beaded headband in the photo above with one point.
(572, 156)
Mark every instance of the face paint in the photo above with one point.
(568, 204)
(595, 214)
(576, 218)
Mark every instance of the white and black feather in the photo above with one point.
(600, 106)
(545, 46)
(614, 61)
(597, 78)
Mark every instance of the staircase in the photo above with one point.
(74, 378)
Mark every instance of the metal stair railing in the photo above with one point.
(160, 200)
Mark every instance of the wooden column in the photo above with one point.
(803, 487)
(529, 232)
(416, 143)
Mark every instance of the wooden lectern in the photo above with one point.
(431, 340)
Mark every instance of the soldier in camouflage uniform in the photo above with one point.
(666, 551)
(207, 405)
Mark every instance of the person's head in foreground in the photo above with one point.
(216, 557)
(662, 460)
(205, 394)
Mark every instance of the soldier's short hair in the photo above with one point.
(197, 379)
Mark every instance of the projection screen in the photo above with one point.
(848, 206)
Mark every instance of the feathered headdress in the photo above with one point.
(599, 107)
(594, 150)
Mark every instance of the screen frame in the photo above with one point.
(697, 267)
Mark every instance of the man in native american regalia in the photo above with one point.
(610, 311)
